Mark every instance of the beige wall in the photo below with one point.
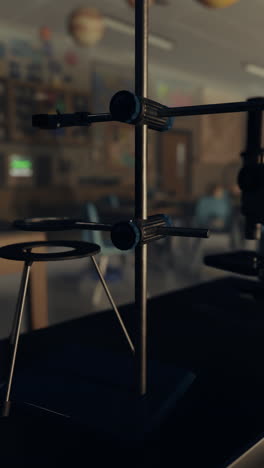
(222, 137)
(219, 141)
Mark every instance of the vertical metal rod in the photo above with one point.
(141, 159)
(251, 156)
(111, 300)
(19, 314)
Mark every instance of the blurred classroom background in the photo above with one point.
(57, 57)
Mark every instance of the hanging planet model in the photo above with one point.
(86, 26)
(217, 3)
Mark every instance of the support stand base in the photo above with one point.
(96, 389)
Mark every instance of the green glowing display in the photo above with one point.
(21, 164)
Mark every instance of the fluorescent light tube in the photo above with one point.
(125, 28)
(254, 69)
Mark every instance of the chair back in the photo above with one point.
(110, 200)
(96, 237)
(91, 215)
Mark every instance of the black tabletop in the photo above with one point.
(214, 329)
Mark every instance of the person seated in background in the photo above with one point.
(237, 224)
(214, 209)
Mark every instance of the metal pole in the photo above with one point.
(252, 156)
(141, 150)
(19, 315)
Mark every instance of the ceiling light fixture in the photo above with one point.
(129, 30)
(254, 69)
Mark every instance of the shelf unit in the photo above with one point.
(19, 100)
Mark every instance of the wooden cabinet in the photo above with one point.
(175, 163)
(38, 292)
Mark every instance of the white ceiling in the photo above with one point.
(210, 44)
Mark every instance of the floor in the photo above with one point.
(71, 283)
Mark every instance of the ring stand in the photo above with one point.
(131, 412)
(114, 407)
(131, 417)
(23, 252)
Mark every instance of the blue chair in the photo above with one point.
(107, 248)
(224, 221)
(111, 200)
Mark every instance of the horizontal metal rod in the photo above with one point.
(99, 118)
(243, 106)
(183, 232)
(92, 226)
(59, 224)
(77, 119)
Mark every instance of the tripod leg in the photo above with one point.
(17, 327)
(98, 290)
(15, 321)
(113, 304)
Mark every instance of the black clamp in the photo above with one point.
(128, 108)
(127, 235)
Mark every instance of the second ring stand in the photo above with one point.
(23, 252)
(104, 400)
